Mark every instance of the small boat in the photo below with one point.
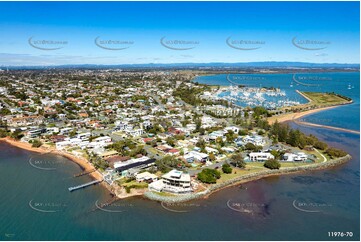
(349, 86)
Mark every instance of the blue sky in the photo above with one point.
(320, 32)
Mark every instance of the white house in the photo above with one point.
(232, 128)
(254, 139)
(83, 136)
(260, 156)
(173, 182)
(134, 132)
(300, 156)
(201, 157)
(103, 139)
(146, 176)
(61, 145)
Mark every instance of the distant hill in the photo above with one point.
(266, 64)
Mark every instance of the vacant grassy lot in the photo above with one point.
(320, 98)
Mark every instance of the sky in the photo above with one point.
(57, 33)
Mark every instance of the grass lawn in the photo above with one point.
(320, 98)
(135, 184)
(236, 172)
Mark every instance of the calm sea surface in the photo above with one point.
(36, 204)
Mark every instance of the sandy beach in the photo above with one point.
(82, 162)
(293, 116)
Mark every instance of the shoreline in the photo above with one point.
(84, 164)
(247, 178)
(121, 193)
(293, 116)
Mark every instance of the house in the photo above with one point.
(211, 150)
(300, 156)
(173, 151)
(232, 128)
(173, 182)
(103, 139)
(52, 130)
(198, 156)
(228, 149)
(65, 131)
(33, 133)
(25, 121)
(107, 154)
(84, 136)
(57, 138)
(146, 177)
(189, 158)
(62, 144)
(138, 163)
(134, 132)
(260, 156)
(253, 139)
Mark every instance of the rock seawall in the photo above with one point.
(246, 178)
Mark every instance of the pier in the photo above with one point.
(84, 185)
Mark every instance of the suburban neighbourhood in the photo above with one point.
(154, 130)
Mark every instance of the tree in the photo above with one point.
(320, 145)
(335, 153)
(229, 136)
(36, 143)
(237, 161)
(5, 111)
(3, 133)
(170, 141)
(252, 147)
(16, 134)
(209, 175)
(167, 163)
(212, 157)
(226, 168)
(272, 164)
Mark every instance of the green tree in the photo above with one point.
(209, 175)
(167, 163)
(17, 134)
(272, 164)
(226, 168)
(36, 143)
(212, 157)
(335, 153)
(237, 160)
